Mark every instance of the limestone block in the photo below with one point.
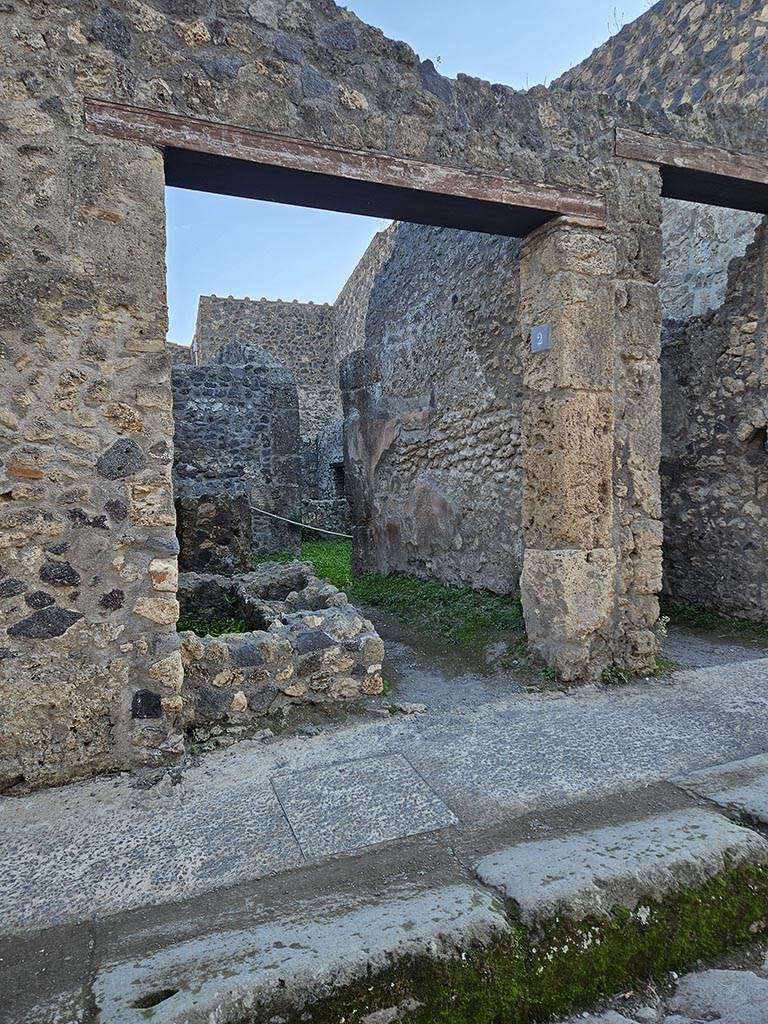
(169, 672)
(638, 320)
(152, 504)
(561, 245)
(164, 574)
(581, 311)
(567, 470)
(158, 609)
(568, 597)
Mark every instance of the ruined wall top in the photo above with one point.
(683, 51)
(297, 335)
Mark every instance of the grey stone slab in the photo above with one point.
(740, 786)
(589, 873)
(230, 975)
(140, 848)
(349, 806)
(735, 997)
(91, 849)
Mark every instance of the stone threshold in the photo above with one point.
(496, 930)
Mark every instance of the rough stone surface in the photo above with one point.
(715, 447)
(307, 645)
(732, 997)
(83, 310)
(236, 450)
(513, 756)
(230, 974)
(298, 334)
(739, 786)
(440, 349)
(323, 495)
(365, 803)
(589, 874)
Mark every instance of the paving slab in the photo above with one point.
(349, 806)
(102, 847)
(735, 997)
(224, 976)
(590, 873)
(94, 849)
(738, 786)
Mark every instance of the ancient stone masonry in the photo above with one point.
(432, 408)
(323, 498)
(310, 340)
(90, 672)
(299, 334)
(236, 450)
(715, 452)
(683, 51)
(700, 51)
(306, 645)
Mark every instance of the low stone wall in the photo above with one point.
(307, 644)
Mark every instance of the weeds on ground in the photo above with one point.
(210, 627)
(700, 618)
(458, 614)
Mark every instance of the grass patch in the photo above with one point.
(332, 560)
(700, 618)
(210, 627)
(466, 617)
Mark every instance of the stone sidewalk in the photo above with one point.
(98, 848)
(308, 860)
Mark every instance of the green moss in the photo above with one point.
(700, 618)
(526, 977)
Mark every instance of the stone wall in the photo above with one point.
(432, 409)
(87, 518)
(298, 334)
(305, 644)
(683, 51)
(181, 355)
(688, 52)
(323, 493)
(699, 244)
(350, 310)
(715, 457)
(236, 450)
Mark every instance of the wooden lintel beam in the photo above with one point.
(689, 156)
(178, 132)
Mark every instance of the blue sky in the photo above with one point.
(226, 246)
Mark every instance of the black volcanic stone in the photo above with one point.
(39, 599)
(123, 459)
(341, 37)
(116, 509)
(109, 29)
(11, 587)
(44, 624)
(146, 704)
(60, 574)
(112, 600)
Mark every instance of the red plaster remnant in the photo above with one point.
(99, 213)
(16, 469)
